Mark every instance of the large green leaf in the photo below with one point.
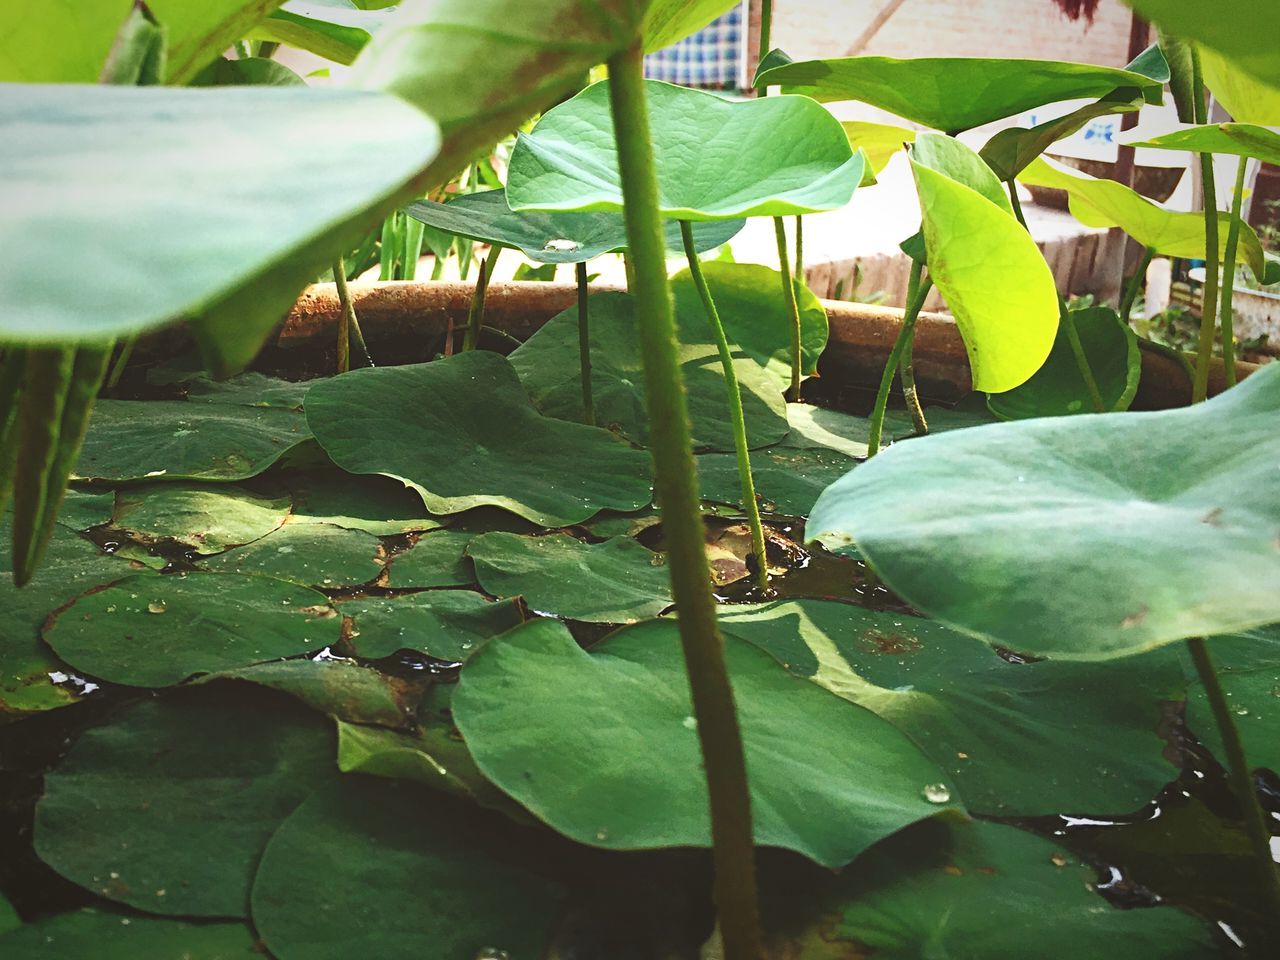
(945, 889)
(603, 745)
(311, 554)
(1083, 537)
(67, 41)
(176, 440)
(787, 480)
(1105, 203)
(1018, 739)
(951, 158)
(880, 142)
(157, 631)
(1239, 139)
(551, 237)
(1248, 667)
(616, 581)
(376, 505)
(334, 29)
(168, 807)
(953, 93)
(154, 224)
(1000, 290)
(463, 433)
(1242, 31)
(1057, 389)
(716, 159)
(206, 518)
(445, 624)
(1246, 98)
(367, 868)
(549, 367)
(436, 560)
(667, 21)
(111, 936)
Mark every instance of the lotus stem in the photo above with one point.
(584, 345)
(1134, 284)
(736, 415)
(348, 322)
(799, 271)
(1016, 202)
(1241, 776)
(766, 29)
(907, 372)
(793, 309)
(1212, 261)
(1082, 361)
(917, 290)
(118, 365)
(676, 484)
(1229, 277)
(475, 316)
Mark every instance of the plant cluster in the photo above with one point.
(479, 657)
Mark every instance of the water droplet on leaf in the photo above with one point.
(936, 793)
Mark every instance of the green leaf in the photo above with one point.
(994, 521)
(879, 142)
(1017, 739)
(445, 624)
(951, 158)
(524, 704)
(168, 807)
(1238, 139)
(378, 505)
(552, 237)
(1001, 291)
(1246, 98)
(716, 159)
(616, 581)
(83, 509)
(1057, 389)
(208, 519)
(152, 225)
(436, 560)
(462, 433)
(953, 93)
(1106, 203)
(157, 631)
(249, 72)
(822, 428)
(1248, 667)
(951, 889)
(310, 554)
(8, 917)
(1241, 31)
(446, 880)
(787, 481)
(103, 935)
(333, 29)
(668, 21)
(549, 368)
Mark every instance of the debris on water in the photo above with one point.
(936, 793)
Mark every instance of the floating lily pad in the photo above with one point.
(311, 554)
(437, 560)
(1057, 389)
(957, 525)
(617, 581)
(71, 566)
(463, 433)
(716, 159)
(939, 92)
(552, 237)
(82, 509)
(1008, 328)
(951, 889)
(445, 624)
(168, 807)
(377, 505)
(1248, 667)
(815, 427)
(156, 631)
(446, 880)
(1018, 739)
(251, 390)
(548, 366)
(340, 688)
(754, 315)
(603, 746)
(209, 519)
(112, 936)
(170, 439)
(788, 481)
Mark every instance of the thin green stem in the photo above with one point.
(1229, 277)
(907, 372)
(676, 484)
(1134, 285)
(1209, 300)
(799, 271)
(917, 290)
(736, 417)
(1082, 362)
(793, 309)
(475, 316)
(766, 29)
(1016, 202)
(1241, 776)
(345, 314)
(584, 345)
(118, 365)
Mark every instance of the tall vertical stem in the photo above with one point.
(1255, 819)
(1082, 361)
(1229, 276)
(917, 290)
(475, 316)
(676, 484)
(1212, 253)
(766, 29)
(799, 271)
(584, 345)
(907, 371)
(1134, 285)
(793, 309)
(736, 416)
(344, 316)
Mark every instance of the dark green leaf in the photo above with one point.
(111, 936)
(445, 624)
(206, 518)
(332, 29)
(249, 72)
(311, 554)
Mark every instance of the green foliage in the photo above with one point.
(1240, 139)
(1240, 31)
(445, 624)
(333, 29)
(94, 932)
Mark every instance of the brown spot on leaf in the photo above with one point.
(1213, 518)
(893, 644)
(1134, 619)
